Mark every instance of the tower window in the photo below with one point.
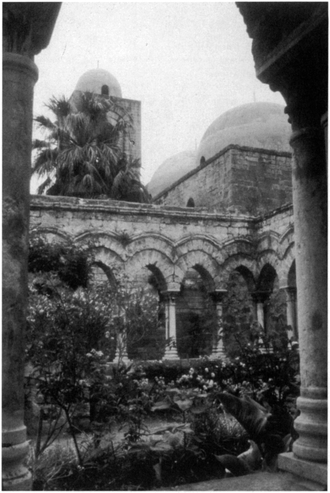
(105, 90)
(191, 203)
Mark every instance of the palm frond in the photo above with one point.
(59, 106)
(44, 122)
(45, 161)
(44, 185)
(251, 415)
(39, 144)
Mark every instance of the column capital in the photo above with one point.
(28, 27)
(291, 292)
(260, 296)
(218, 295)
(169, 295)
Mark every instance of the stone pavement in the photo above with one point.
(260, 481)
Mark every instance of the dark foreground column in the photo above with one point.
(19, 77)
(27, 28)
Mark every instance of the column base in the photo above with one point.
(218, 354)
(315, 473)
(171, 354)
(123, 359)
(15, 476)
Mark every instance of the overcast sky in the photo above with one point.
(186, 62)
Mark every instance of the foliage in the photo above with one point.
(81, 154)
(71, 263)
(72, 334)
(239, 314)
(202, 440)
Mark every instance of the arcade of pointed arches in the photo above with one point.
(266, 267)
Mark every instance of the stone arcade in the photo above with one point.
(291, 56)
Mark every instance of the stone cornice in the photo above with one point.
(46, 203)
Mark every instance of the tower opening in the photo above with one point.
(105, 90)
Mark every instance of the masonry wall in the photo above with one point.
(260, 180)
(134, 134)
(168, 241)
(238, 179)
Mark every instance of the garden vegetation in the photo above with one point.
(149, 424)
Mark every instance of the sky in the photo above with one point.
(186, 62)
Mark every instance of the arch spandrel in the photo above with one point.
(245, 265)
(269, 240)
(108, 258)
(147, 241)
(97, 239)
(204, 264)
(206, 244)
(286, 264)
(242, 247)
(157, 262)
(51, 234)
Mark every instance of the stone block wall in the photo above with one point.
(133, 143)
(240, 179)
(260, 180)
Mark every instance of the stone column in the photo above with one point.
(218, 350)
(19, 77)
(27, 28)
(310, 214)
(291, 311)
(170, 325)
(121, 355)
(259, 298)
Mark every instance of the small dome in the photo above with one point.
(99, 81)
(261, 125)
(171, 170)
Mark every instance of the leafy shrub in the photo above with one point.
(71, 263)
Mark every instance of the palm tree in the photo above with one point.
(127, 185)
(81, 155)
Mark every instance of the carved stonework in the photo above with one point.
(27, 27)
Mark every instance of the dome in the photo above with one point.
(171, 170)
(261, 125)
(99, 81)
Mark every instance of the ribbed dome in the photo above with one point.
(262, 125)
(93, 81)
(171, 170)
